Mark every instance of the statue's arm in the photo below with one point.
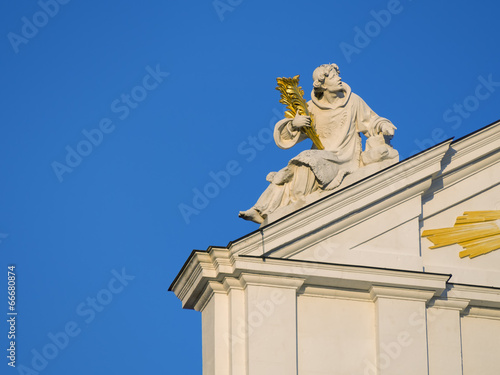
(369, 123)
(286, 135)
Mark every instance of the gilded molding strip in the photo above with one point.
(478, 233)
(292, 96)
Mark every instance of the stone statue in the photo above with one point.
(340, 116)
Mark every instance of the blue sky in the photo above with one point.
(117, 115)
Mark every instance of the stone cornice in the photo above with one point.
(337, 293)
(342, 276)
(479, 296)
(380, 292)
(200, 267)
(271, 280)
(483, 312)
(217, 271)
(457, 304)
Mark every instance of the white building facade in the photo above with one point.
(347, 285)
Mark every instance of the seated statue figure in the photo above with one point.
(340, 116)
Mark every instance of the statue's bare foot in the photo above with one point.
(252, 215)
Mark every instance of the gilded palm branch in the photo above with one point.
(477, 232)
(292, 96)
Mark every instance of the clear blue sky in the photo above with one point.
(159, 97)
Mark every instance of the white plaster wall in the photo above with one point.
(215, 324)
(264, 329)
(444, 341)
(238, 332)
(207, 340)
(335, 336)
(272, 338)
(481, 346)
(401, 339)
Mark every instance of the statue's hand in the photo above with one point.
(387, 129)
(300, 121)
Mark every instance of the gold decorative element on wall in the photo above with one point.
(292, 96)
(478, 232)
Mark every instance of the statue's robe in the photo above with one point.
(338, 126)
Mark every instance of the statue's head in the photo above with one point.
(326, 77)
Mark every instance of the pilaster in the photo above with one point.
(400, 317)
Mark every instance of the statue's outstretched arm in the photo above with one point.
(369, 123)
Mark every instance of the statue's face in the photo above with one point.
(333, 82)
